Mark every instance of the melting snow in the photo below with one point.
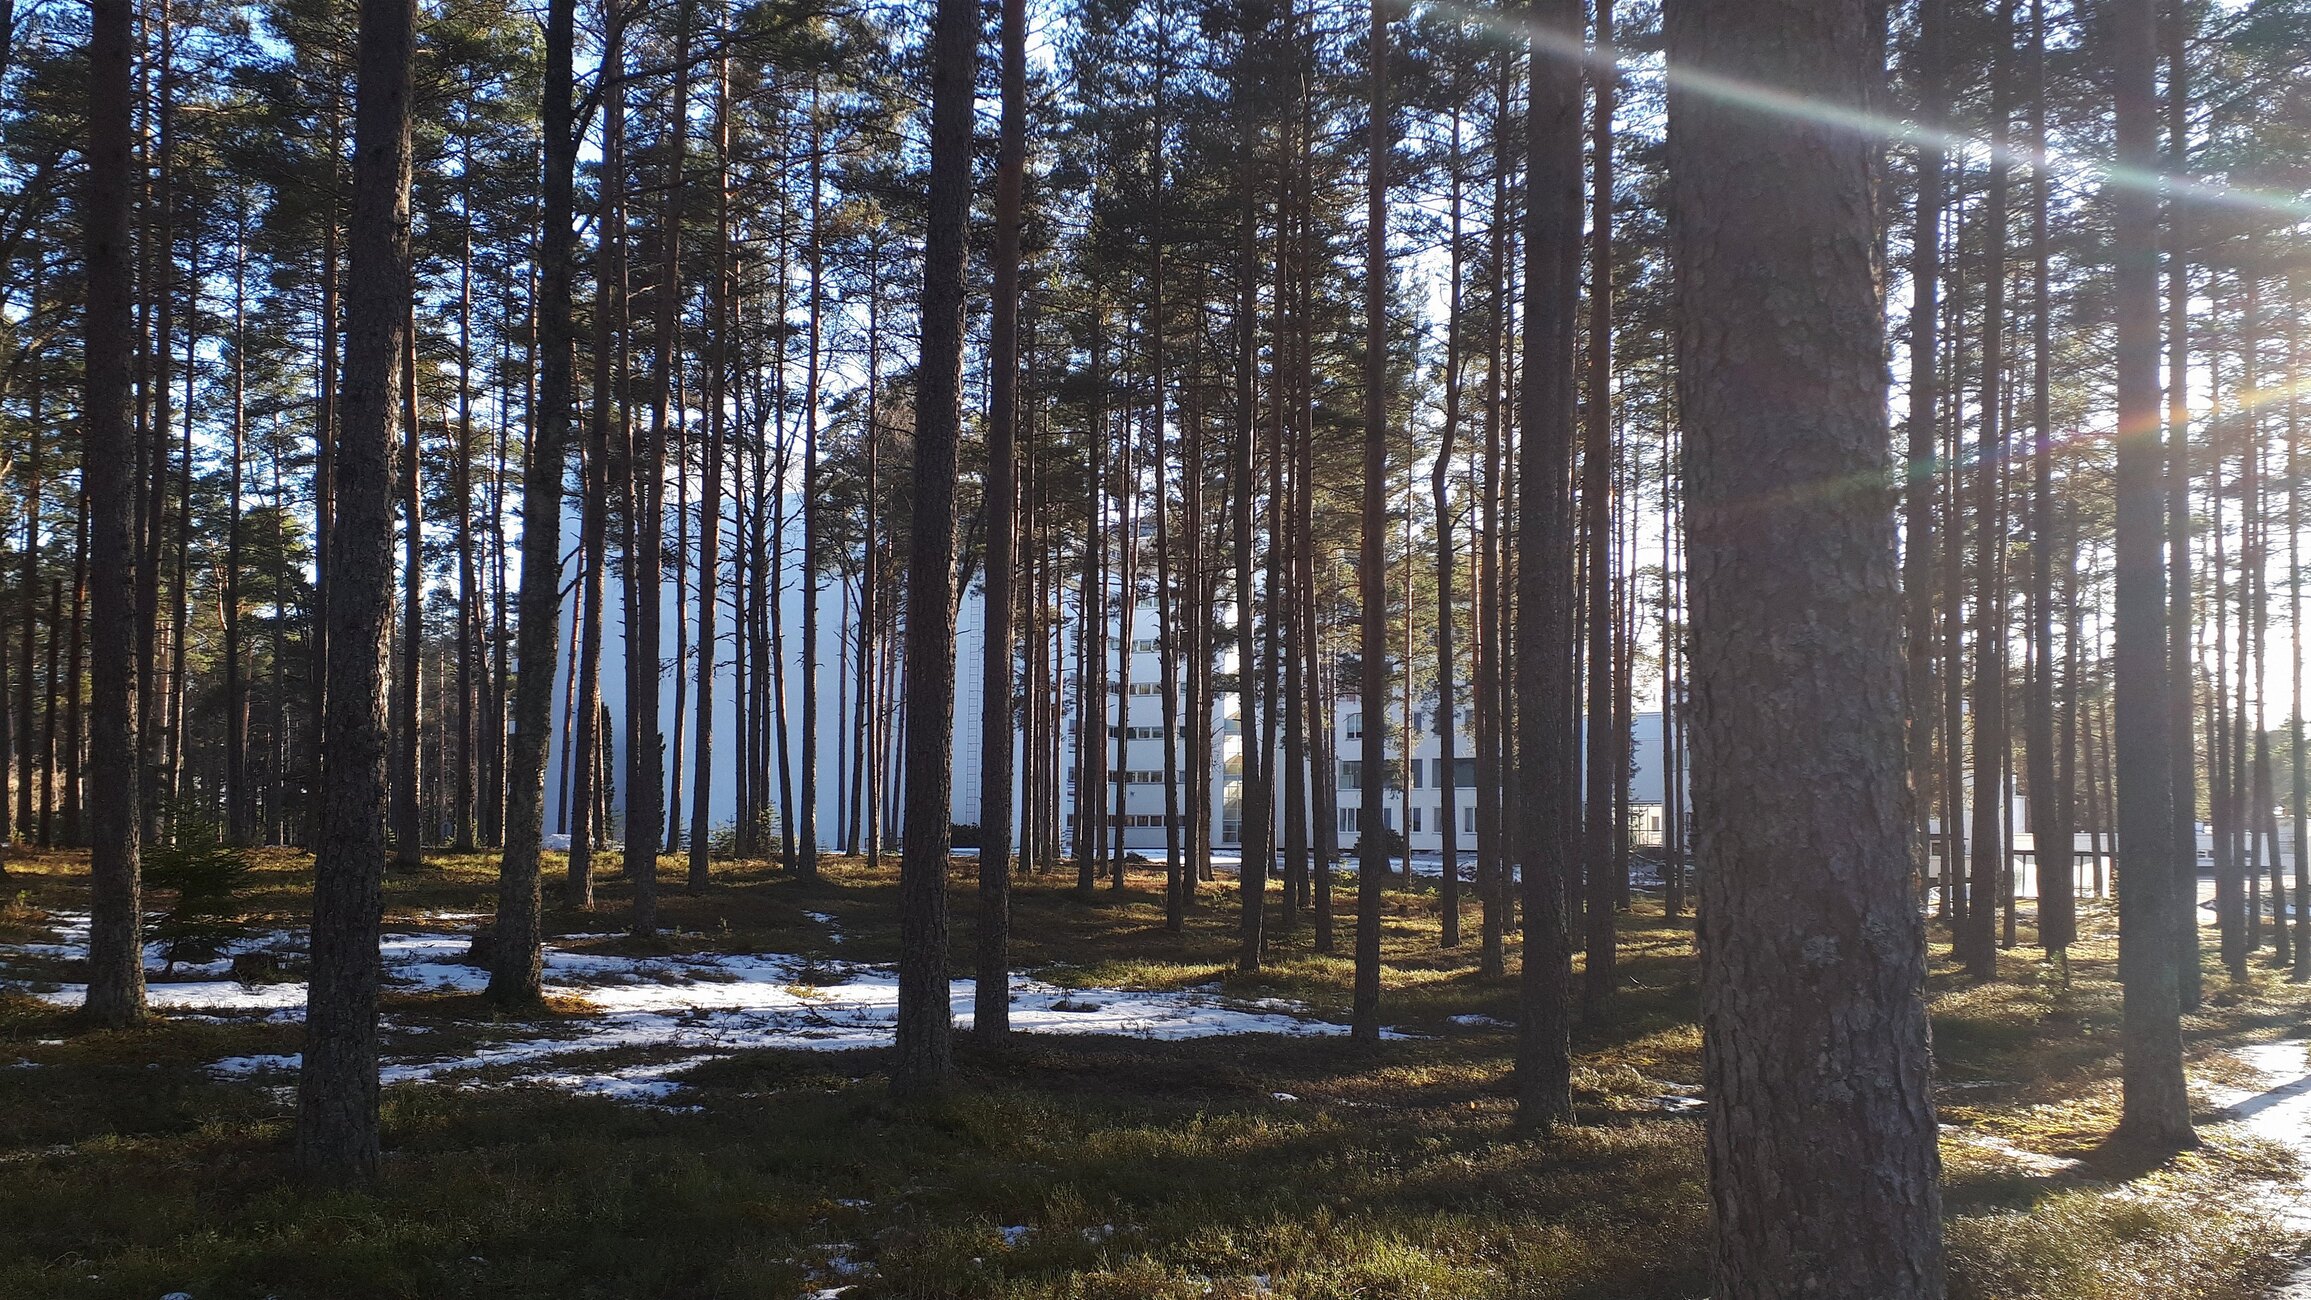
(687, 1009)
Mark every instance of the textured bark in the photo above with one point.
(2050, 813)
(1491, 649)
(2156, 1107)
(1921, 470)
(1547, 776)
(1821, 1131)
(2182, 902)
(1990, 860)
(115, 947)
(1254, 820)
(1371, 564)
(1601, 821)
(408, 833)
(337, 1122)
(1448, 767)
(514, 969)
(602, 424)
(923, 1061)
(806, 808)
(2299, 794)
(991, 1005)
(645, 485)
(710, 497)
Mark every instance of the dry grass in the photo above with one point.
(1141, 1169)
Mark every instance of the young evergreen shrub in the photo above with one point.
(206, 877)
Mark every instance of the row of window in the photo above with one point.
(1352, 819)
(1426, 772)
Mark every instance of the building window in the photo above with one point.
(1147, 688)
(1351, 820)
(1147, 645)
(1415, 815)
(1353, 727)
(1416, 766)
(1468, 820)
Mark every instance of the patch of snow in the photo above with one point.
(1015, 1234)
(1480, 1022)
(690, 1008)
(1283, 1096)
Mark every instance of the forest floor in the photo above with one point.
(1200, 1133)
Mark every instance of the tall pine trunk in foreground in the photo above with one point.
(1448, 765)
(1977, 941)
(646, 522)
(514, 966)
(1371, 564)
(991, 1005)
(1921, 474)
(1603, 746)
(2180, 912)
(1547, 765)
(1821, 1135)
(1255, 821)
(2157, 1104)
(710, 496)
(115, 944)
(923, 1059)
(337, 1088)
(2050, 804)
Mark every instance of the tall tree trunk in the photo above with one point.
(237, 827)
(922, 1063)
(1253, 818)
(408, 833)
(514, 968)
(115, 941)
(2181, 908)
(1372, 554)
(1821, 1133)
(1547, 767)
(991, 1003)
(806, 815)
(337, 1122)
(605, 423)
(2157, 1107)
(2050, 817)
(1977, 944)
(646, 518)
(2299, 794)
(1491, 648)
(1447, 703)
(1604, 764)
(1922, 474)
(710, 495)
(28, 604)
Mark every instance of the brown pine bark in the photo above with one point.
(1547, 773)
(1821, 1132)
(1447, 702)
(1602, 770)
(115, 947)
(515, 970)
(337, 1119)
(2156, 1105)
(1977, 939)
(922, 1062)
(991, 1002)
(1372, 554)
